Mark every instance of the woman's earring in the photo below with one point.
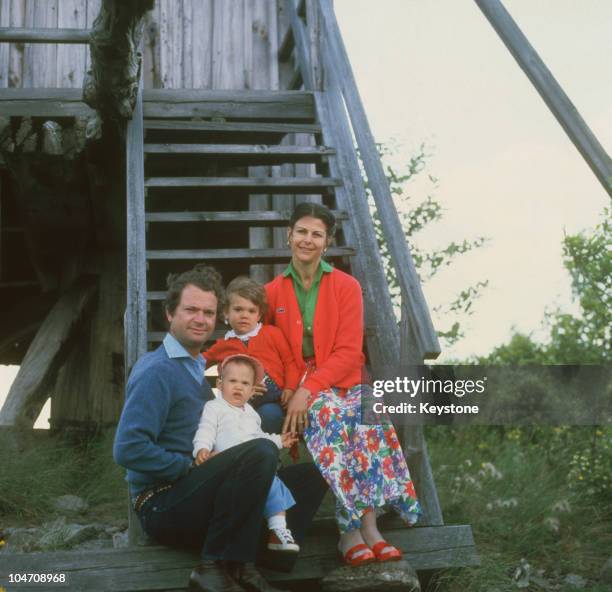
(226, 321)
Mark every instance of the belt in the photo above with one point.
(143, 497)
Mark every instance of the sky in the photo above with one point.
(435, 72)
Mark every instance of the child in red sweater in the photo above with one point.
(246, 306)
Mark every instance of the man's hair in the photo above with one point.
(314, 210)
(239, 362)
(202, 276)
(245, 287)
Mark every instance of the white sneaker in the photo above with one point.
(281, 539)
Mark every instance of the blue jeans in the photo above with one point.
(219, 505)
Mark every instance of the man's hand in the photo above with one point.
(285, 397)
(296, 419)
(288, 439)
(202, 456)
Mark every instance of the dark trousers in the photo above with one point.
(218, 506)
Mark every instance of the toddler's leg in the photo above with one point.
(279, 499)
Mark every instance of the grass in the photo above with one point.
(517, 489)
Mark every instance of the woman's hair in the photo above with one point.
(314, 210)
(250, 289)
(202, 276)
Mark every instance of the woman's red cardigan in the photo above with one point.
(337, 330)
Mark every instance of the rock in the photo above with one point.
(605, 577)
(20, 540)
(575, 581)
(70, 504)
(58, 534)
(376, 577)
(120, 540)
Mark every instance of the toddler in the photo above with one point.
(246, 306)
(229, 421)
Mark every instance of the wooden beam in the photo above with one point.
(37, 371)
(111, 85)
(232, 126)
(43, 102)
(254, 217)
(149, 568)
(260, 184)
(337, 64)
(302, 46)
(228, 104)
(48, 35)
(237, 254)
(550, 90)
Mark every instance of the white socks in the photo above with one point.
(277, 521)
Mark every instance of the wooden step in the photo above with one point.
(254, 218)
(289, 185)
(266, 105)
(250, 127)
(249, 154)
(254, 255)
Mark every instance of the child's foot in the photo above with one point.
(281, 539)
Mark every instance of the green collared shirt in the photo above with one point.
(307, 301)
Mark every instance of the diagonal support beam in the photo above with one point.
(550, 90)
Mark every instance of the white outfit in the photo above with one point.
(222, 426)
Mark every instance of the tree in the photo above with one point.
(584, 339)
(415, 216)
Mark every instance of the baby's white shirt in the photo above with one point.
(222, 426)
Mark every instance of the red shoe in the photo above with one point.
(384, 551)
(358, 555)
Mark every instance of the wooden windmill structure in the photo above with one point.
(198, 152)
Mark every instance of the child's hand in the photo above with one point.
(286, 395)
(202, 455)
(288, 439)
(259, 389)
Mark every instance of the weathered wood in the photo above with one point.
(338, 65)
(52, 138)
(37, 371)
(261, 184)
(313, 29)
(255, 217)
(238, 104)
(43, 102)
(111, 85)
(159, 568)
(232, 126)
(202, 24)
(550, 90)
(71, 60)
(302, 45)
(259, 255)
(287, 45)
(383, 346)
(48, 35)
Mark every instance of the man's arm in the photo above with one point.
(147, 404)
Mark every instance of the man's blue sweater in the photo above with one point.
(163, 404)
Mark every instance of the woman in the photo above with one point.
(320, 311)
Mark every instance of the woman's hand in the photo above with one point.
(259, 389)
(285, 397)
(296, 419)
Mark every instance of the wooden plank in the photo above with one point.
(187, 37)
(37, 372)
(202, 22)
(149, 568)
(5, 20)
(255, 217)
(228, 63)
(302, 45)
(313, 29)
(232, 126)
(170, 43)
(71, 60)
(45, 35)
(337, 65)
(17, 19)
(93, 10)
(46, 102)
(236, 254)
(367, 267)
(150, 48)
(260, 184)
(550, 90)
(254, 104)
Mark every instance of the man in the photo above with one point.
(176, 502)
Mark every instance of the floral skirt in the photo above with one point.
(363, 465)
